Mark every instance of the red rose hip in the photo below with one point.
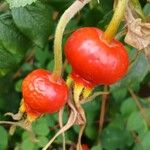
(85, 147)
(93, 59)
(41, 94)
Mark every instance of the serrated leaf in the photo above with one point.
(113, 137)
(19, 3)
(6, 59)
(91, 132)
(18, 85)
(60, 5)
(42, 141)
(34, 21)
(119, 94)
(97, 147)
(40, 127)
(135, 75)
(13, 44)
(137, 123)
(42, 55)
(145, 141)
(27, 144)
(128, 106)
(138, 147)
(11, 38)
(3, 138)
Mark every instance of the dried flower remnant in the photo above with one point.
(138, 34)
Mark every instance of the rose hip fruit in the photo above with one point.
(93, 60)
(42, 94)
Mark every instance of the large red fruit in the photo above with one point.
(42, 94)
(93, 59)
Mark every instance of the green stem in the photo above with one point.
(65, 18)
(137, 7)
(115, 21)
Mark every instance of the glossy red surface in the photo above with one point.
(43, 95)
(85, 147)
(93, 59)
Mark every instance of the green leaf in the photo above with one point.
(91, 132)
(18, 85)
(147, 9)
(19, 3)
(3, 138)
(68, 69)
(40, 127)
(60, 5)
(27, 67)
(27, 144)
(115, 136)
(136, 123)
(120, 94)
(6, 59)
(97, 147)
(34, 21)
(128, 106)
(50, 120)
(138, 147)
(13, 44)
(50, 65)
(145, 141)
(11, 38)
(42, 55)
(112, 139)
(76, 128)
(135, 75)
(42, 141)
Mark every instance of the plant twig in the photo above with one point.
(69, 124)
(136, 137)
(115, 21)
(65, 18)
(90, 98)
(64, 66)
(135, 98)
(82, 127)
(102, 110)
(61, 125)
(21, 124)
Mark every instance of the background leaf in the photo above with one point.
(12, 46)
(19, 3)
(135, 75)
(34, 21)
(3, 138)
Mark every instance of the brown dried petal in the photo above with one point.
(138, 34)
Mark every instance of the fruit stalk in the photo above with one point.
(115, 21)
(65, 18)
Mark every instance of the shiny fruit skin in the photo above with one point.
(93, 59)
(85, 147)
(42, 94)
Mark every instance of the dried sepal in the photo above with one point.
(138, 32)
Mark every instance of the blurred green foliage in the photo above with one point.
(26, 43)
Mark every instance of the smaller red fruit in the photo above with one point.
(41, 94)
(85, 147)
